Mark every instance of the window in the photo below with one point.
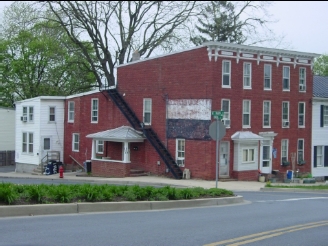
(300, 150)
(285, 79)
(52, 114)
(225, 106)
(76, 142)
(180, 152)
(46, 144)
(267, 77)
(285, 114)
(71, 111)
(319, 156)
(266, 114)
(28, 114)
(302, 79)
(248, 155)
(247, 75)
(100, 146)
(27, 142)
(147, 111)
(301, 114)
(246, 113)
(284, 150)
(226, 70)
(94, 110)
(323, 115)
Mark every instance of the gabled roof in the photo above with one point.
(120, 134)
(320, 86)
(246, 136)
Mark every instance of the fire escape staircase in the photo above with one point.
(148, 132)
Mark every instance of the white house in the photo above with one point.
(7, 129)
(320, 126)
(39, 131)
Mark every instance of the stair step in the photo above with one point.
(227, 179)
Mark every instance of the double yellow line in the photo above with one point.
(267, 234)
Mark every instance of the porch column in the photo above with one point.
(93, 156)
(126, 152)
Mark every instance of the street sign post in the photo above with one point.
(217, 131)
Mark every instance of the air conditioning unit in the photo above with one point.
(302, 87)
(285, 123)
(24, 118)
(226, 122)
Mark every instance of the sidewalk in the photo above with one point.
(145, 180)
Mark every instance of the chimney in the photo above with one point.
(135, 56)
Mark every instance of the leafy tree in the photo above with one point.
(218, 22)
(234, 22)
(320, 66)
(118, 28)
(39, 59)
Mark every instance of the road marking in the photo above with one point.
(268, 234)
(294, 199)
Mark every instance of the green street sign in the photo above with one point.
(218, 114)
(215, 113)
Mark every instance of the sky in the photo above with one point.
(302, 23)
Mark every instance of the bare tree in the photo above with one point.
(117, 28)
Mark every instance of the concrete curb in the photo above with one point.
(292, 190)
(72, 208)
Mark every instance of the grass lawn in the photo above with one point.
(310, 187)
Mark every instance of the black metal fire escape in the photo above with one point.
(148, 132)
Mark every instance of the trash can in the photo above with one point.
(88, 166)
(58, 164)
(289, 174)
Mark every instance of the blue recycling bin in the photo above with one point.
(289, 174)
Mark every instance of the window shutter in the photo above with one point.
(326, 157)
(315, 156)
(321, 116)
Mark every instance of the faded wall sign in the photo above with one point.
(195, 109)
(188, 129)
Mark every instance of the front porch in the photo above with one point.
(111, 151)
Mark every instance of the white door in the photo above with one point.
(224, 159)
(266, 160)
(45, 147)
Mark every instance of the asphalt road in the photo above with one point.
(269, 218)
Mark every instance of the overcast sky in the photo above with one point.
(302, 23)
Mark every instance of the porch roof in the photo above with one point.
(245, 136)
(120, 134)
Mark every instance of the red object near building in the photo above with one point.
(157, 118)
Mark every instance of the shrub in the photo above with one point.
(62, 193)
(91, 193)
(8, 193)
(37, 192)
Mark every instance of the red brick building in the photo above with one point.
(167, 102)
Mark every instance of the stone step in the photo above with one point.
(137, 173)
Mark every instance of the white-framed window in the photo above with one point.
(301, 114)
(302, 82)
(226, 74)
(147, 111)
(300, 150)
(94, 110)
(286, 78)
(267, 76)
(320, 156)
(99, 146)
(28, 113)
(76, 142)
(27, 142)
(71, 106)
(246, 113)
(225, 106)
(266, 113)
(180, 152)
(285, 114)
(247, 75)
(284, 150)
(52, 114)
(248, 155)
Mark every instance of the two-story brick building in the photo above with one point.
(167, 102)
